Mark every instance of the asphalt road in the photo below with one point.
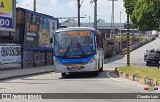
(136, 56)
(105, 82)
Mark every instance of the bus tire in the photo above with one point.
(101, 69)
(63, 74)
(95, 73)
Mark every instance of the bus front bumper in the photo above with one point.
(59, 68)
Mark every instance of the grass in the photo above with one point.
(142, 72)
(118, 38)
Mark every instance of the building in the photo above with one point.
(101, 25)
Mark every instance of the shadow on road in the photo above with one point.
(87, 75)
(20, 82)
(26, 77)
(113, 59)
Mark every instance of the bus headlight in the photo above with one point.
(92, 60)
(57, 62)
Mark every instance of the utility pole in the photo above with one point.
(34, 5)
(120, 33)
(128, 36)
(112, 26)
(95, 14)
(112, 18)
(79, 6)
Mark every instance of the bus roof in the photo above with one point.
(75, 28)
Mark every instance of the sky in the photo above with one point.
(68, 8)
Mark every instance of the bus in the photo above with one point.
(78, 49)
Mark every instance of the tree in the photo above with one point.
(131, 5)
(144, 14)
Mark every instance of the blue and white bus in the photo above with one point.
(78, 49)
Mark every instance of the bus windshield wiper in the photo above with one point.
(68, 49)
(80, 48)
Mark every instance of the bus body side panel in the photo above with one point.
(100, 57)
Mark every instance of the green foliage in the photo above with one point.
(145, 14)
(118, 38)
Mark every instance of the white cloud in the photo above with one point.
(68, 8)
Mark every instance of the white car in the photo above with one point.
(147, 52)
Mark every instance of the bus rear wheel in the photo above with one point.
(63, 74)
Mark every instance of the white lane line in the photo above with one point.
(124, 81)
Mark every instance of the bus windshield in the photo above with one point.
(74, 44)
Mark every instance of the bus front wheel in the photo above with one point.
(63, 74)
(101, 69)
(95, 73)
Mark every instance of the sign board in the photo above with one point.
(7, 15)
(10, 54)
(39, 29)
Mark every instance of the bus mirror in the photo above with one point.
(51, 40)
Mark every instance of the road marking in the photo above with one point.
(131, 83)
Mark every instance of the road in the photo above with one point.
(137, 56)
(105, 82)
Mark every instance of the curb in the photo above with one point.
(27, 74)
(135, 77)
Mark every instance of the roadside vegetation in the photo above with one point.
(143, 72)
(145, 14)
(118, 38)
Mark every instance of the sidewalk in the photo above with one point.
(7, 74)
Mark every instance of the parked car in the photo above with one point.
(146, 53)
(157, 50)
(152, 59)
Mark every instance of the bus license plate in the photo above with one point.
(73, 68)
(153, 62)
